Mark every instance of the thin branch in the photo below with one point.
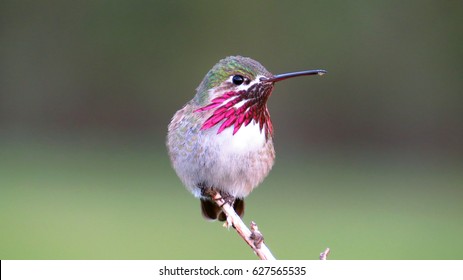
(324, 254)
(252, 237)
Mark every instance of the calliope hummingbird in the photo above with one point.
(222, 138)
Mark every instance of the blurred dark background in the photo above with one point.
(369, 157)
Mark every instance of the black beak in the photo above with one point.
(281, 77)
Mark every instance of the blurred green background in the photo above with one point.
(369, 157)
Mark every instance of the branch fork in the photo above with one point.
(253, 237)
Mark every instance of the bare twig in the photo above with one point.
(256, 235)
(324, 254)
(253, 237)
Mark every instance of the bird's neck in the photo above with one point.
(238, 109)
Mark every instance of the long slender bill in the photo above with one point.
(281, 77)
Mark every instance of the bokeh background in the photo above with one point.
(369, 157)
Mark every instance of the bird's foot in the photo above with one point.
(211, 192)
(228, 198)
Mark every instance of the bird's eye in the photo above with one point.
(237, 80)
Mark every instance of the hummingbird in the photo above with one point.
(222, 139)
